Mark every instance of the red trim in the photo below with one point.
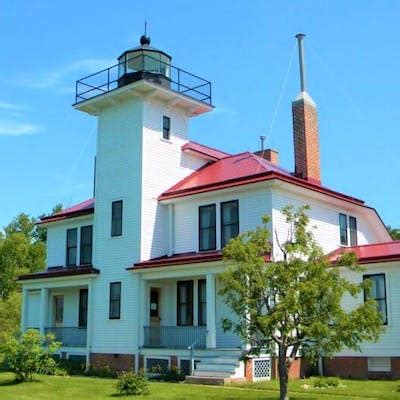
(207, 151)
(179, 259)
(182, 259)
(370, 253)
(84, 208)
(56, 272)
(264, 176)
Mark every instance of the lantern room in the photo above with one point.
(144, 62)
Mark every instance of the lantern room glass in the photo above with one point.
(144, 60)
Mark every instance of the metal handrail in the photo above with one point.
(112, 80)
(191, 356)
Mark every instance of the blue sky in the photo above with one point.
(244, 48)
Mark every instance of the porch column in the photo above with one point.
(24, 311)
(211, 341)
(143, 321)
(44, 310)
(171, 230)
(89, 320)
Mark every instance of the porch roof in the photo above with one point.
(371, 253)
(179, 259)
(54, 272)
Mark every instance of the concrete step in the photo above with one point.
(203, 380)
(220, 360)
(212, 374)
(202, 366)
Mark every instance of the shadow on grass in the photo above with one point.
(10, 382)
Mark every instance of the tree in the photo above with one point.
(292, 306)
(394, 232)
(30, 353)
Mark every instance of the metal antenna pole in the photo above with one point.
(300, 37)
(262, 138)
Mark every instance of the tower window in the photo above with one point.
(166, 127)
(116, 218)
(115, 300)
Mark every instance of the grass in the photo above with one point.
(53, 387)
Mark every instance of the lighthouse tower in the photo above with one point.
(143, 105)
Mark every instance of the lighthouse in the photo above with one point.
(143, 105)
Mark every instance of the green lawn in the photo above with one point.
(52, 387)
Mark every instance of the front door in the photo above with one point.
(155, 334)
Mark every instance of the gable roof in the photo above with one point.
(241, 169)
(204, 151)
(84, 208)
(371, 253)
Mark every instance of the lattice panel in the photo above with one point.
(157, 365)
(262, 368)
(184, 366)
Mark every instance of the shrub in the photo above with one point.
(172, 375)
(72, 367)
(29, 353)
(101, 371)
(325, 383)
(132, 384)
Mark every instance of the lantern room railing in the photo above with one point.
(145, 67)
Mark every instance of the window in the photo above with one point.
(166, 127)
(58, 309)
(116, 218)
(207, 236)
(202, 302)
(115, 300)
(83, 308)
(229, 221)
(154, 302)
(72, 245)
(86, 245)
(185, 303)
(377, 291)
(353, 231)
(343, 229)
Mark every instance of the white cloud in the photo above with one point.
(55, 79)
(9, 106)
(12, 128)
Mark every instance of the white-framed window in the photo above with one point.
(348, 230)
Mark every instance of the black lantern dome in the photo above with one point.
(144, 62)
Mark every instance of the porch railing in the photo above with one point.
(69, 336)
(178, 337)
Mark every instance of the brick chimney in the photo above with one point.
(305, 129)
(269, 155)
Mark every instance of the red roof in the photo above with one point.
(58, 272)
(204, 151)
(179, 259)
(84, 208)
(371, 253)
(183, 258)
(241, 169)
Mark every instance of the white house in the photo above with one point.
(132, 274)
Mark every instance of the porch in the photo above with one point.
(60, 307)
(182, 309)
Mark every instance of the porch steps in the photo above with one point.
(207, 380)
(218, 368)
